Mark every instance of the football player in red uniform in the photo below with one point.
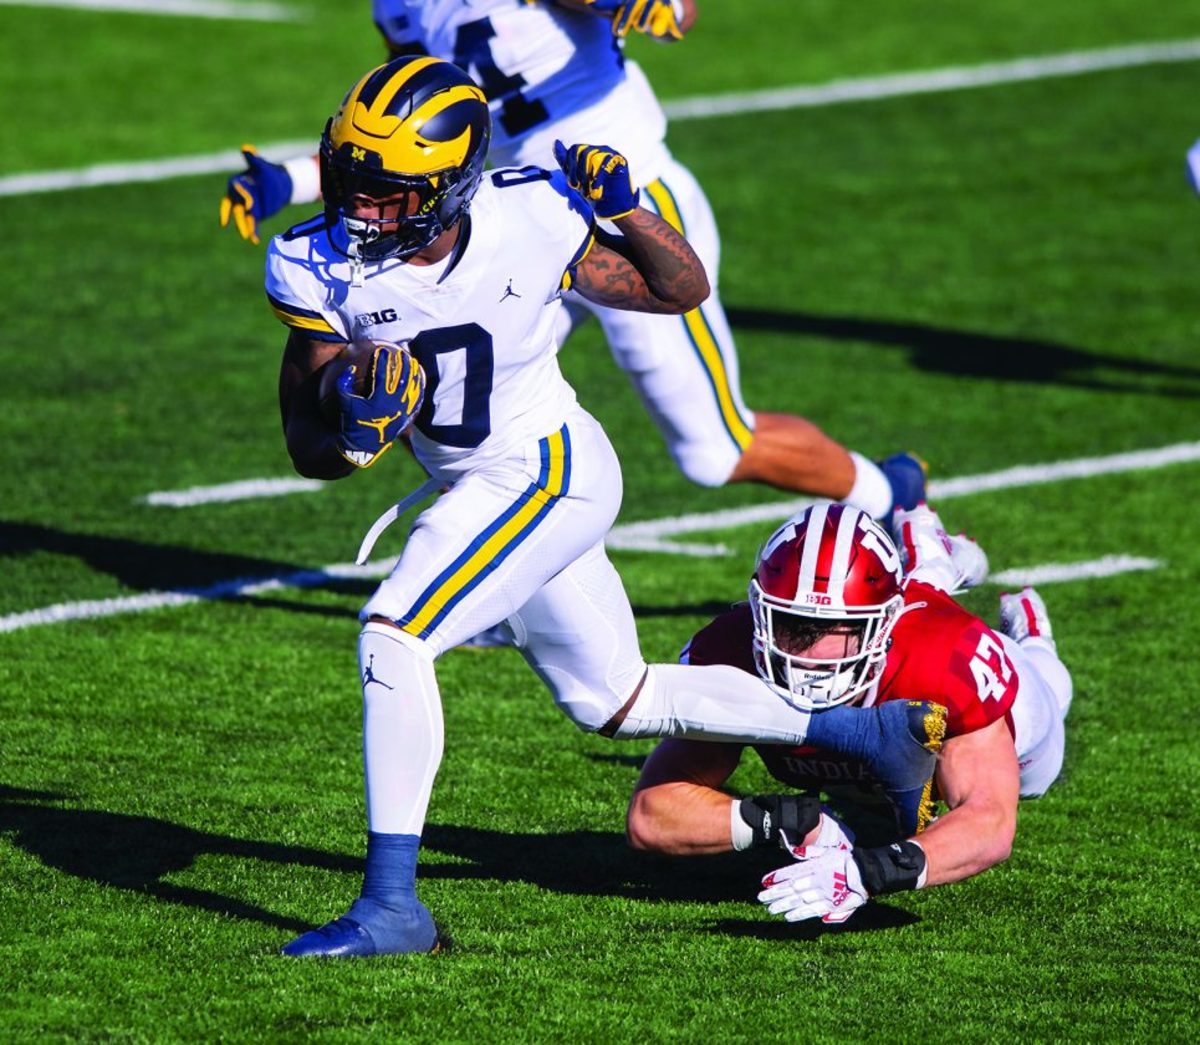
(839, 613)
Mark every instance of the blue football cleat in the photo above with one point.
(921, 725)
(898, 740)
(369, 929)
(906, 474)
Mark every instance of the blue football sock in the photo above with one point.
(388, 907)
(391, 875)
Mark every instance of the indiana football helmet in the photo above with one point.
(828, 576)
(414, 133)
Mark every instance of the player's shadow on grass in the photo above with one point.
(589, 863)
(136, 852)
(597, 863)
(970, 354)
(163, 567)
(873, 917)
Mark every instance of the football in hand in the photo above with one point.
(357, 356)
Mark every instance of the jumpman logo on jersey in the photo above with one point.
(369, 675)
(509, 292)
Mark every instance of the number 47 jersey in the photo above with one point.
(481, 322)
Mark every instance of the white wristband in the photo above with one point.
(924, 870)
(741, 833)
(305, 173)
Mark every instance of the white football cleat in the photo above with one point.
(1023, 616)
(929, 554)
(970, 561)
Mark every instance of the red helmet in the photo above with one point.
(828, 576)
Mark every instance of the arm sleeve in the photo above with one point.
(292, 296)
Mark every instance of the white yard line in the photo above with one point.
(252, 11)
(955, 78)
(653, 536)
(657, 535)
(1056, 572)
(226, 162)
(60, 613)
(244, 490)
(868, 88)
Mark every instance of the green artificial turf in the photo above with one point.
(992, 277)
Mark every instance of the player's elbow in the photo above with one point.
(692, 295)
(320, 468)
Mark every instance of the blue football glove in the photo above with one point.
(262, 189)
(601, 175)
(371, 423)
(657, 18)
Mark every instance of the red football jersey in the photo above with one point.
(938, 652)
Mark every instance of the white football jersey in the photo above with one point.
(481, 323)
(547, 72)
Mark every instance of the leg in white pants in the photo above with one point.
(685, 370)
(578, 634)
(1043, 699)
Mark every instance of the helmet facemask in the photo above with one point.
(418, 208)
(784, 632)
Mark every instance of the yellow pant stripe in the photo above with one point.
(703, 339)
(496, 542)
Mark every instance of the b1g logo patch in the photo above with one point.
(374, 319)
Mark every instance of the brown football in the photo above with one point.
(358, 356)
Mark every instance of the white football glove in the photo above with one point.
(831, 834)
(823, 883)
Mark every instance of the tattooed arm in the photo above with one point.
(649, 268)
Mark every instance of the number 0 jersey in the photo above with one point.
(548, 73)
(481, 322)
(939, 652)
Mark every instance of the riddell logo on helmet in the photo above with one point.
(820, 600)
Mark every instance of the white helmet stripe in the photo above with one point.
(806, 578)
(844, 544)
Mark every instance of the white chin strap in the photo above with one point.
(354, 251)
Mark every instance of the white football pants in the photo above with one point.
(522, 540)
(1043, 700)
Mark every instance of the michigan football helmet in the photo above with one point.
(828, 576)
(403, 155)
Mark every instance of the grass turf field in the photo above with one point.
(994, 277)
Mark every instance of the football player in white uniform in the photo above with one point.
(555, 71)
(449, 283)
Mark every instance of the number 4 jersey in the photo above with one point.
(548, 72)
(481, 322)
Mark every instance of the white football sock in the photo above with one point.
(871, 492)
(402, 728)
